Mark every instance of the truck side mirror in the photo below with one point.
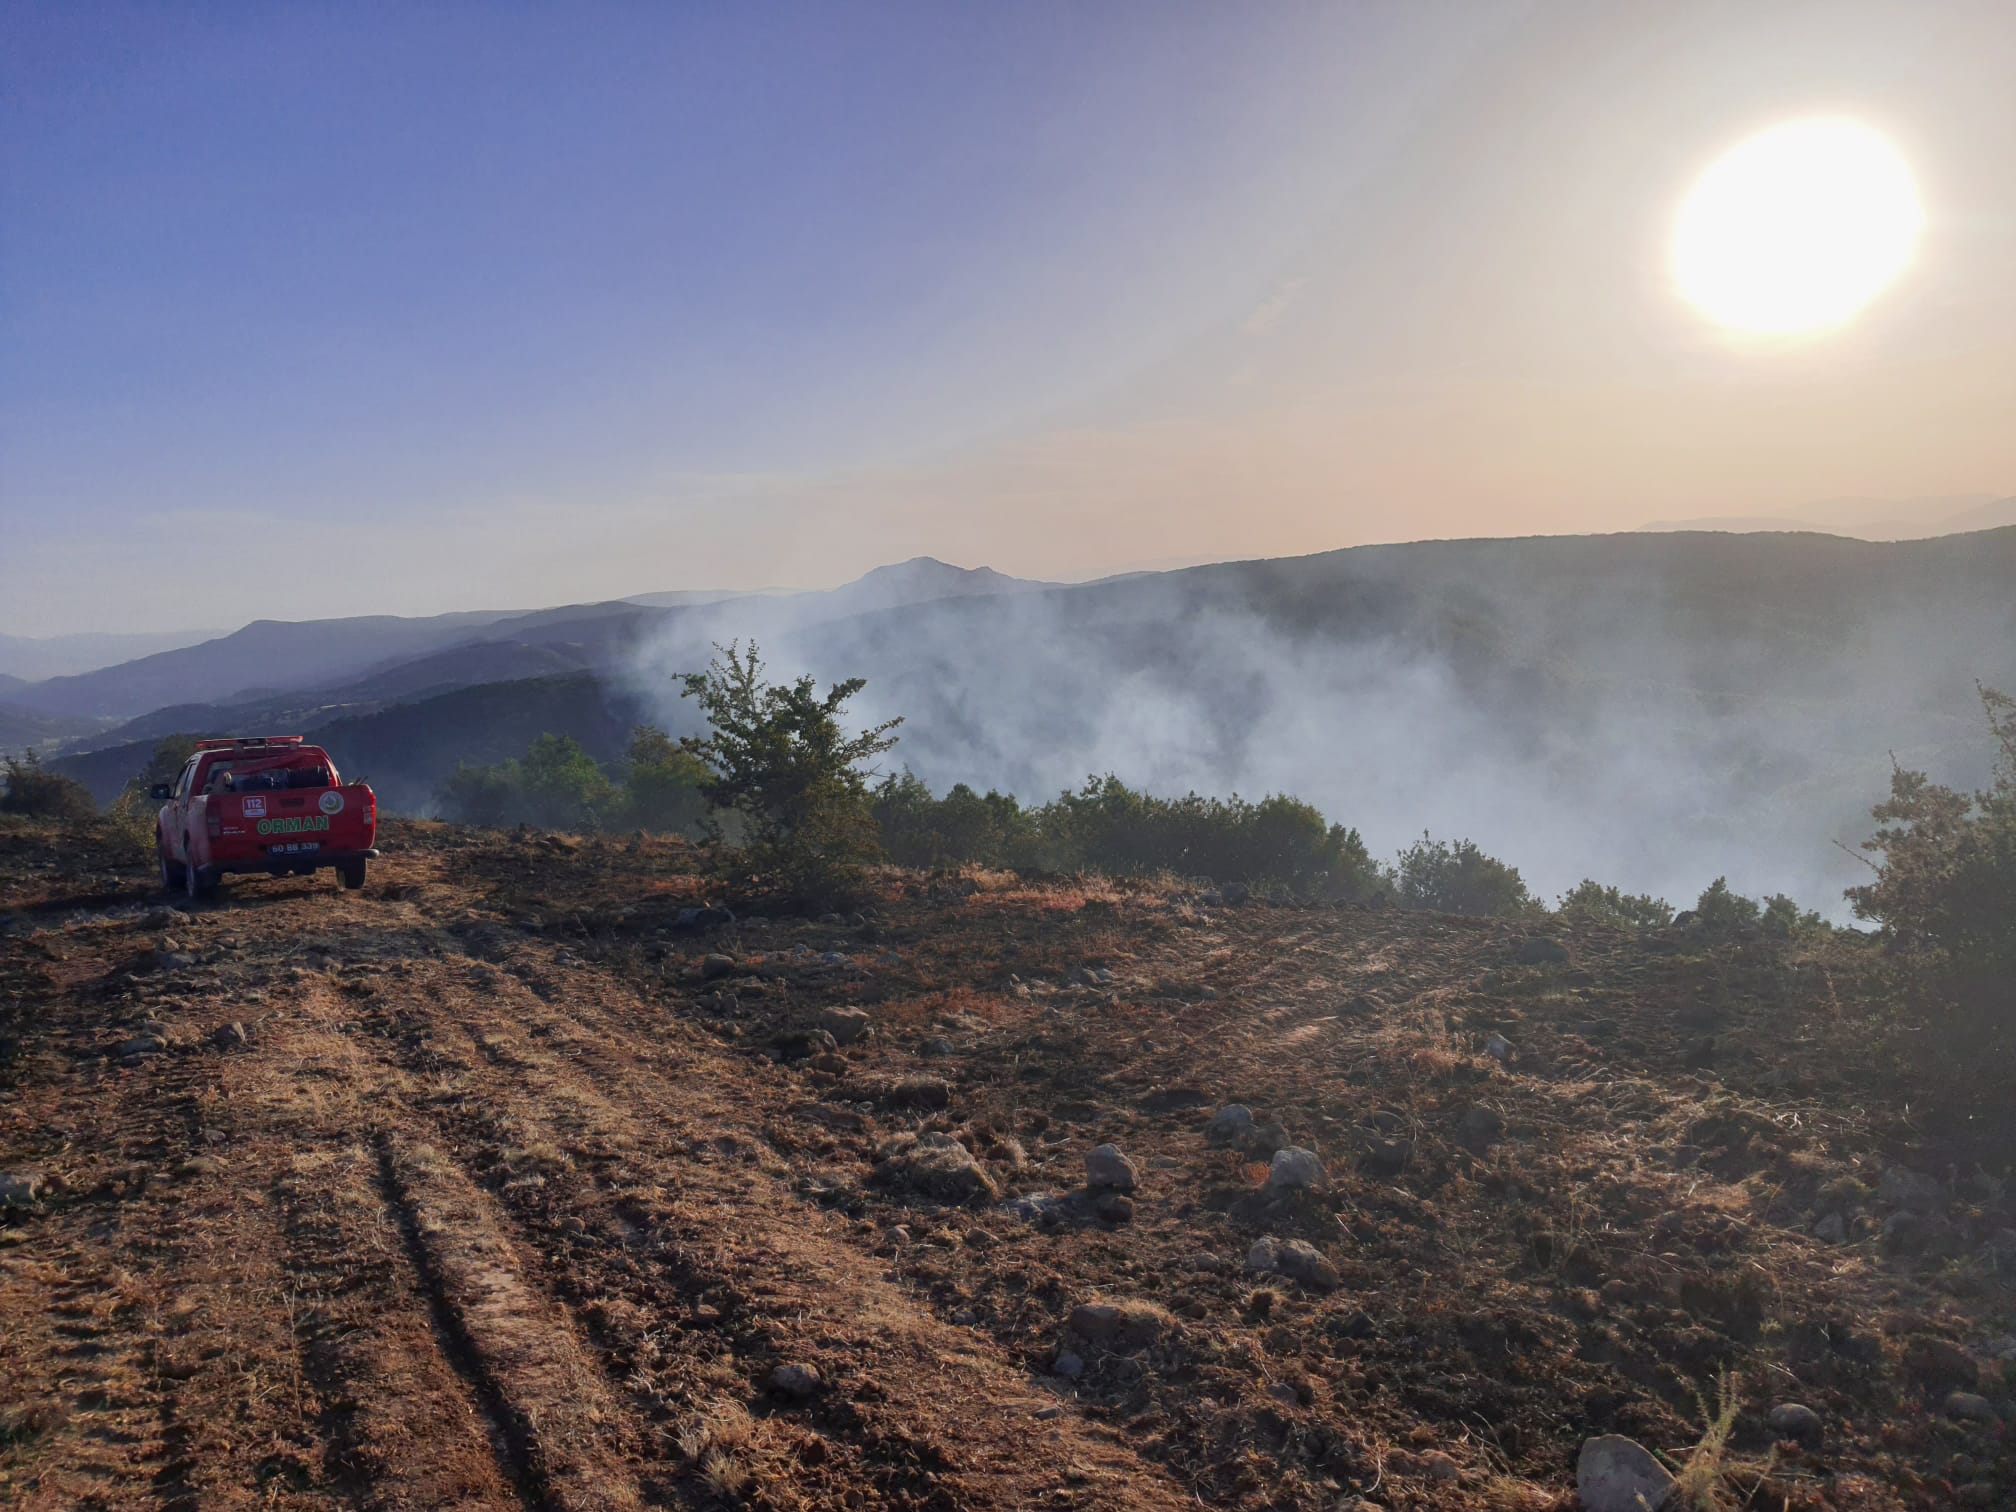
(161, 792)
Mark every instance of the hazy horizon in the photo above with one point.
(382, 311)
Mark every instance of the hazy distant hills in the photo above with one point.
(30, 659)
(1652, 708)
(1869, 519)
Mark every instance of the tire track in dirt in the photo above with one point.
(726, 1229)
(515, 1347)
(407, 1431)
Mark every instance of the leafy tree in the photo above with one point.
(778, 755)
(133, 812)
(563, 787)
(662, 784)
(1592, 900)
(1722, 910)
(1945, 885)
(35, 792)
(485, 795)
(1458, 878)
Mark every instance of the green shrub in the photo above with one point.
(35, 792)
(777, 756)
(1608, 905)
(1458, 878)
(1945, 886)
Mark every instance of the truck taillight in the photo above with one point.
(213, 821)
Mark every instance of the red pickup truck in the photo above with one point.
(264, 803)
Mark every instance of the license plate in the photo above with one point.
(294, 848)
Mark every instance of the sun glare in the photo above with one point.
(1797, 229)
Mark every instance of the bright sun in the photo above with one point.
(1797, 229)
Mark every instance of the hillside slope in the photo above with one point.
(491, 1187)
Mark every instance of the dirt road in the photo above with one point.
(493, 1186)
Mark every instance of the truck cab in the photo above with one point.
(262, 803)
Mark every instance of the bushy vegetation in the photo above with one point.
(778, 757)
(1459, 878)
(34, 792)
(1590, 899)
(1944, 891)
(558, 785)
(1106, 826)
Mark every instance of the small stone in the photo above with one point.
(846, 1025)
(144, 1044)
(1295, 1169)
(1795, 1420)
(1538, 950)
(1301, 1261)
(1480, 1126)
(1228, 1123)
(229, 1036)
(1126, 1324)
(802, 1044)
(1108, 1170)
(1283, 1393)
(1499, 1048)
(1262, 1140)
(1438, 1466)
(20, 1188)
(795, 1381)
(1111, 1207)
(713, 966)
(1832, 1229)
(1068, 1364)
(1616, 1474)
(1968, 1407)
(1904, 1232)
(937, 1048)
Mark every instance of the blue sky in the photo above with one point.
(321, 309)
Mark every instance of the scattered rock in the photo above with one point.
(936, 1165)
(1111, 1207)
(1905, 1232)
(1616, 1474)
(937, 1048)
(1538, 950)
(20, 1188)
(1968, 1407)
(1123, 1325)
(716, 966)
(1388, 1157)
(1294, 1170)
(229, 1036)
(1106, 1169)
(1499, 1049)
(1480, 1126)
(1438, 1466)
(142, 1044)
(1296, 1259)
(1832, 1229)
(1795, 1420)
(903, 1092)
(846, 1025)
(798, 1382)
(1228, 1123)
(802, 1044)
(1068, 1364)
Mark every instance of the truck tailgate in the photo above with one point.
(293, 821)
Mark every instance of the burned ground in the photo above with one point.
(494, 1186)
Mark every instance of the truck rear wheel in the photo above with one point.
(196, 880)
(171, 871)
(352, 873)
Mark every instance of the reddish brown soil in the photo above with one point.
(501, 1204)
